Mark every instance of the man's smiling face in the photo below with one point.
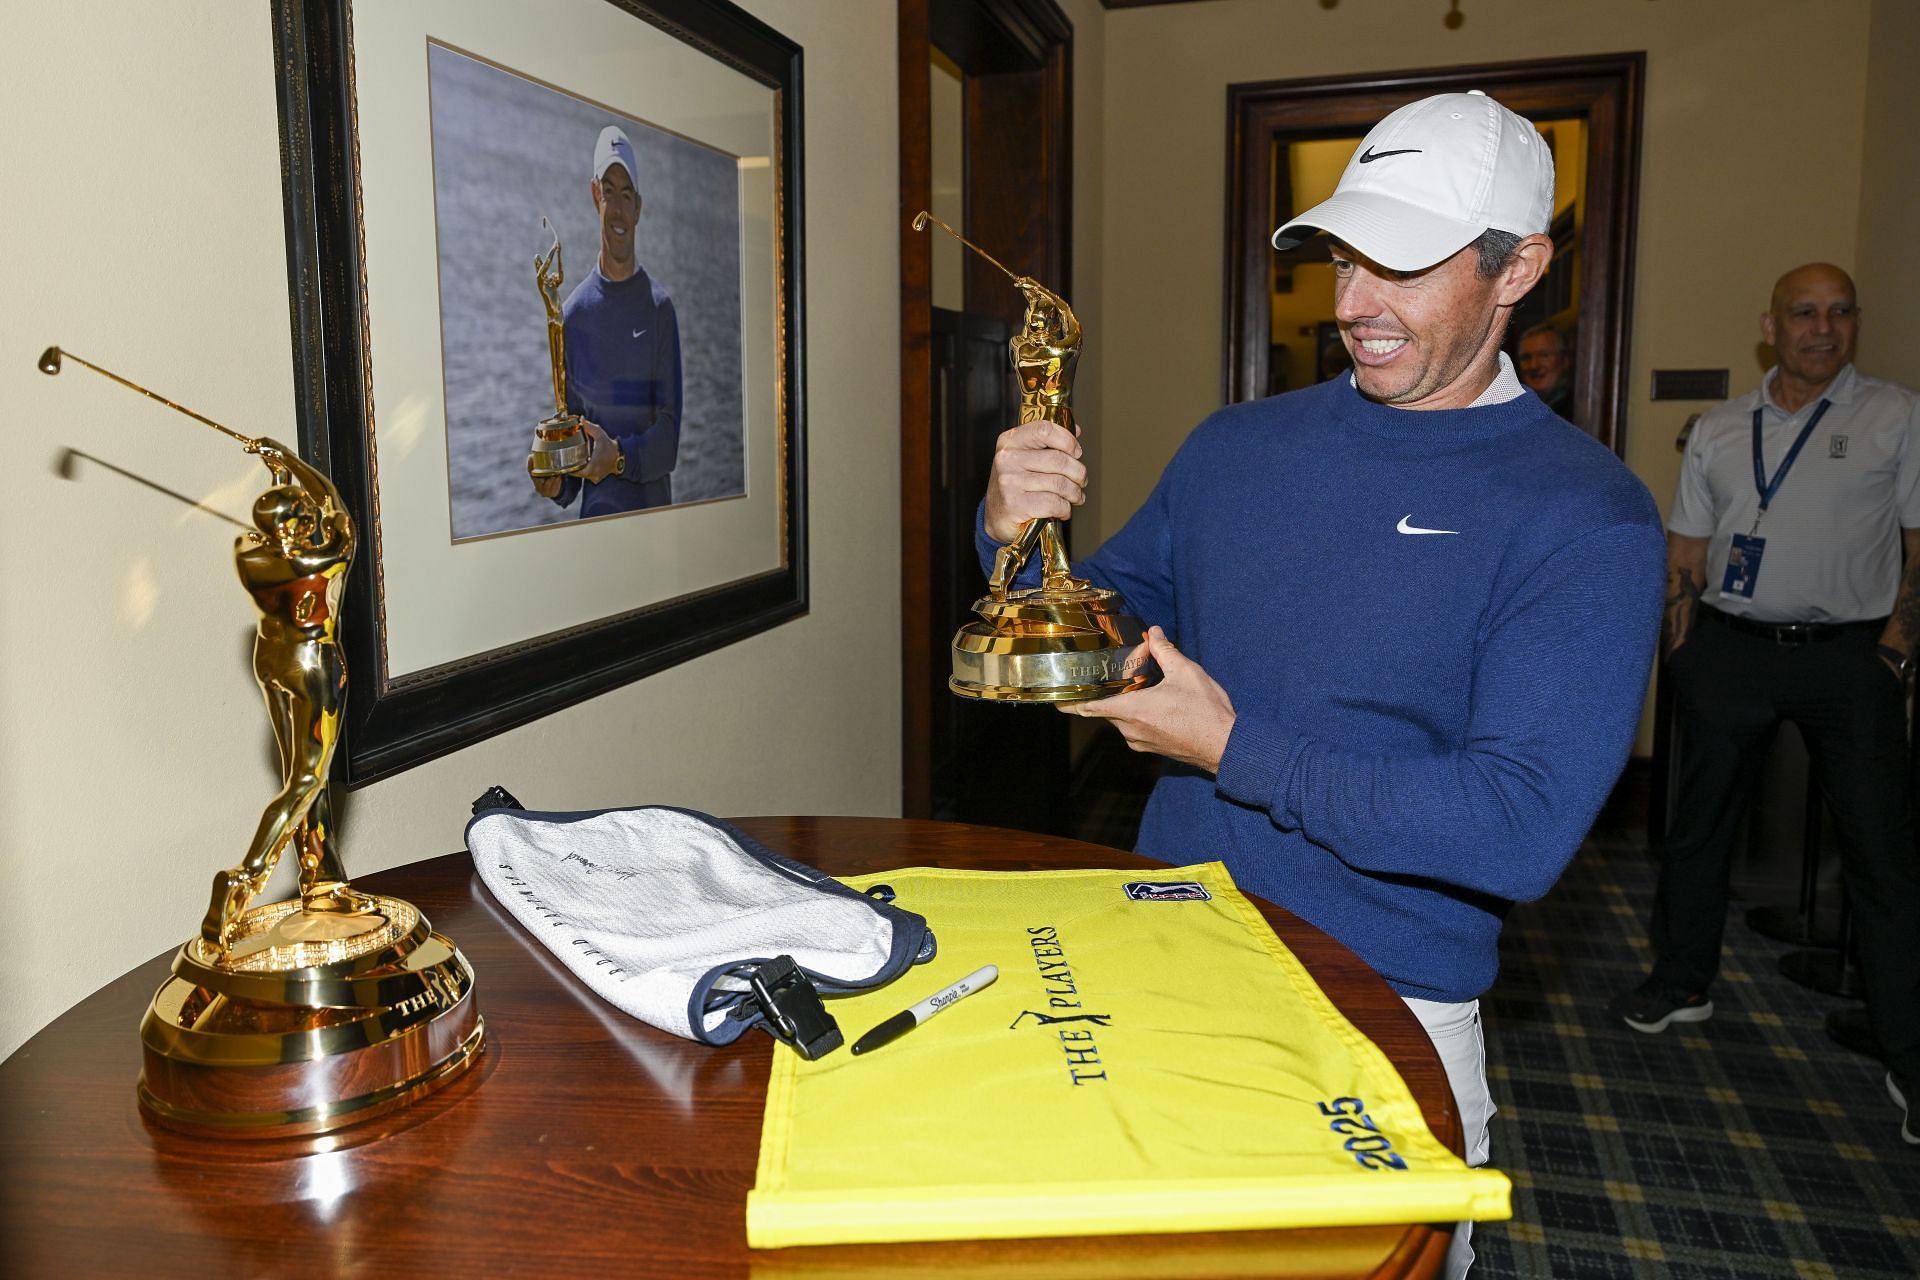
(619, 207)
(1813, 323)
(1415, 335)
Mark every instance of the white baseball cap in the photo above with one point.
(1430, 178)
(613, 148)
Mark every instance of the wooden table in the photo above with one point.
(585, 1143)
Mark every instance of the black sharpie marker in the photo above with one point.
(907, 1019)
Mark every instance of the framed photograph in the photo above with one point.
(505, 216)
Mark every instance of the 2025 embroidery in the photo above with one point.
(1369, 1148)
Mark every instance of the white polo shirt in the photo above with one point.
(1833, 528)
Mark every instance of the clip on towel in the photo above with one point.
(793, 1010)
(495, 797)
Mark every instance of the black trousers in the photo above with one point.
(1730, 690)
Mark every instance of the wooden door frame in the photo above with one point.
(1608, 89)
(1037, 243)
(916, 408)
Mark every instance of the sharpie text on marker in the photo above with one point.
(907, 1019)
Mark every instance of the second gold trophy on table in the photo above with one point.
(1065, 640)
(299, 1017)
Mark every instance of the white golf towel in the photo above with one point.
(665, 912)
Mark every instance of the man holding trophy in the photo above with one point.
(1414, 611)
(622, 356)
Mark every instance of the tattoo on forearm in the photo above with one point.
(1906, 606)
(1683, 598)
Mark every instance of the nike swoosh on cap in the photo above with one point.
(1370, 155)
(1404, 527)
(638, 332)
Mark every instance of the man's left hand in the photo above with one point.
(1186, 717)
(603, 458)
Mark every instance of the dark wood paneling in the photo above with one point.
(916, 411)
(1014, 211)
(1604, 89)
(986, 37)
(1002, 764)
(585, 1142)
(1016, 60)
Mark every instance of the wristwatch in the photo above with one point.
(619, 460)
(1903, 663)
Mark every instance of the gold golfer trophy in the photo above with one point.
(302, 1016)
(561, 446)
(1065, 640)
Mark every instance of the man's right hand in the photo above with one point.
(1037, 475)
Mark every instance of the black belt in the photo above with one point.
(1792, 632)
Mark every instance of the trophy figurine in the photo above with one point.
(1065, 640)
(334, 1006)
(560, 446)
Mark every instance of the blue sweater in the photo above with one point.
(623, 375)
(1427, 723)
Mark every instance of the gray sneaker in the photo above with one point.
(1650, 1006)
(1899, 1096)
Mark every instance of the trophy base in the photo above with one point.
(314, 1020)
(1034, 647)
(560, 448)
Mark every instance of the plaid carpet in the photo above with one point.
(1749, 1145)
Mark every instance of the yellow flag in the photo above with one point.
(1152, 1058)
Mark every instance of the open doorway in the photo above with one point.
(984, 144)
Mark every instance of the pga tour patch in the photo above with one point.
(1166, 891)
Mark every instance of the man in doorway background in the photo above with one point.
(1786, 601)
(1415, 612)
(623, 357)
(1546, 367)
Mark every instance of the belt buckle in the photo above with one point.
(1792, 633)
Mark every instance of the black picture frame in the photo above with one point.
(395, 722)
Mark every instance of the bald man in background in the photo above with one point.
(1787, 600)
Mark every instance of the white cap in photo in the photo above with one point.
(613, 148)
(1430, 178)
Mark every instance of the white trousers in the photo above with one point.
(1455, 1032)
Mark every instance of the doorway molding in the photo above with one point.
(1605, 89)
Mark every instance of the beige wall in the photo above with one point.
(142, 208)
(1750, 163)
(1887, 265)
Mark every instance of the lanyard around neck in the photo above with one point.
(1767, 487)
